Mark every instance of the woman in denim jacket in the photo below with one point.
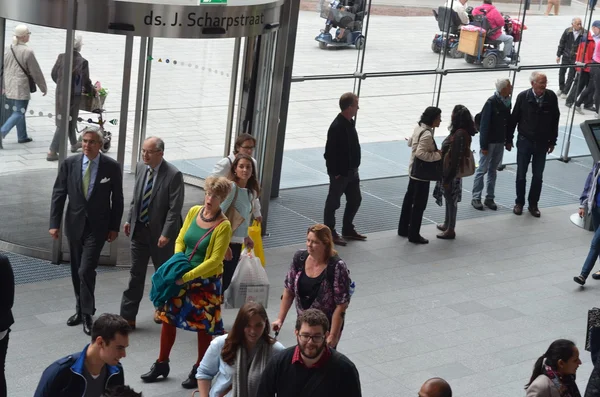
(589, 200)
(234, 363)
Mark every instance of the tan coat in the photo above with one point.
(16, 84)
(542, 386)
(423, 148)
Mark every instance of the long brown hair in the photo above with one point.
(235, 339)
(324, 235)
(253, 181)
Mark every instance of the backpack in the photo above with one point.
(330, 270)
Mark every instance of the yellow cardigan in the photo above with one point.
(217, 247)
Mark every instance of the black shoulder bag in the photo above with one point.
(32, 86)
(426, 170)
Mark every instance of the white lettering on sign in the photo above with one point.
(202, 20)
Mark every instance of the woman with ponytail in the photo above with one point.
(554, 372)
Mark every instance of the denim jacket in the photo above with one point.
(590, 188)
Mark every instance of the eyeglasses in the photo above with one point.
(315, 338)
(144, 151)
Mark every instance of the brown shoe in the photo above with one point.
(518, 209)
(157, 319)
(534, 211)
(338, 240)
(441, 227)
(353, 235)
(131, 324)
(447, 235)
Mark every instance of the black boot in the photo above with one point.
(158, 369)
(191, 382)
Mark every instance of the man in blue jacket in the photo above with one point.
(95, 369)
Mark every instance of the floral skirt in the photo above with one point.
(197, 307)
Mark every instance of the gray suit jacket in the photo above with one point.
(166, 201)
(103, 209)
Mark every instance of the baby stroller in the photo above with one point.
(339, 16)
(489, 55)
(95, 104)
(449, 25)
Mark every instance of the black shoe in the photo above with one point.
(534, 211)
(402, 234)
(477, 204)
(75, 319)
(157, 369)
(26, 140)
(490, 204)
(353, 235)
(338, 240)
(579, 280)
(87, 324)
(191, 382)
(596, 276)
(518, 209)
(419, 240)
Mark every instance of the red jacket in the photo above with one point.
(589, 52)
(494, 17)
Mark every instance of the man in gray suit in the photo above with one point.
(94, 185)
(153, 222)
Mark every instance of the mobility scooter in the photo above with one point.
(449, 25)
(348, 17)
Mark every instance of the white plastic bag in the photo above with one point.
(249, 283)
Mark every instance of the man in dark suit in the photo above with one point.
(94, 185)
(153, 222)
(7, 298)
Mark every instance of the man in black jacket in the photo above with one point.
(342, 157)
(537, 115)
(493, 133)
(565, 55)
(94, 370)
(310, 368)
(7, 299)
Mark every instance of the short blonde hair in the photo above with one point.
(219, 186)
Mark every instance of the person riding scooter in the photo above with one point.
(496, 21)
(355, 7)
(460, 6)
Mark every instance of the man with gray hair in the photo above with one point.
(80, 85)
(493, 135)
(153, 221)
(537, 115)
(566, 53)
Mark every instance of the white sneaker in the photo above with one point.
(578, 110)
(508, 60)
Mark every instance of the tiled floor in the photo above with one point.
(478, 310)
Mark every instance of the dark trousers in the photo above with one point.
(143, 247)
(72, 126)
(534, 153)
(581, 81)
(592, 91)
(3, 349)
(415, 202)
(563, 86)
(350, 186)
(229, 266)
(85, 253)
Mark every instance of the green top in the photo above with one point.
(193, 234)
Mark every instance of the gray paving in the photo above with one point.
(478, 310)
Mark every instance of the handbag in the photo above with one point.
(234, 216)
(32, 86)
(426, 170)
(593, 321)
(466, 166)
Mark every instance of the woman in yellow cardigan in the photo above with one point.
(197, 308)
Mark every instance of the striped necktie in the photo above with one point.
(144, 218)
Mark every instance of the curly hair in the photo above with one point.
(219, 186)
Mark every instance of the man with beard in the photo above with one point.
(311, 367)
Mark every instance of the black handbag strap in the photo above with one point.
(19, 63)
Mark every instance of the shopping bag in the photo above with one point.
(249, 283)
(255, 233)
(593, 322)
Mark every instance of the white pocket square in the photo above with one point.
(104, 180)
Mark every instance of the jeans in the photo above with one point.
(415, 202)
(508, 44)
(590, 261)
(488, 164)
(565, 86)
(451, 209)
(17, 118)
(350, 186)
(534, 153)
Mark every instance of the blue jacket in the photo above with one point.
(589, 190)
(64, 377)
(163, 280)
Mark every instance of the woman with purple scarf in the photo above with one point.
(554, 372)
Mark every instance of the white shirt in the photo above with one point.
(460, 9)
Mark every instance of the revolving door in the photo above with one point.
(195, 73)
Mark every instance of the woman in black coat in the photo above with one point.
(7, 298)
